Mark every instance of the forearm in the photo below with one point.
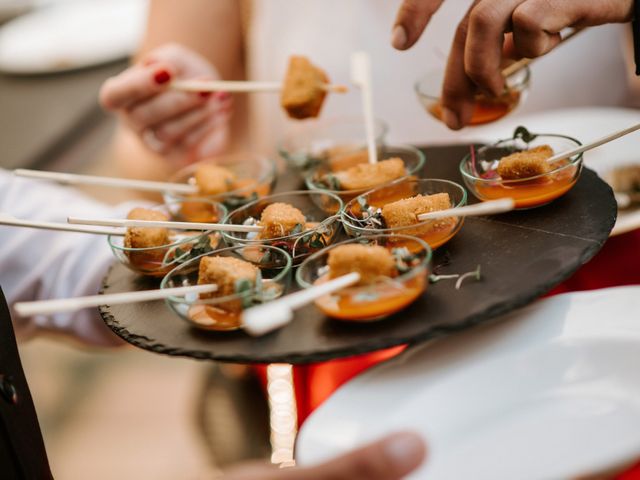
(40, 264)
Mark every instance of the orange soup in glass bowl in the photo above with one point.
(352, 175)
(154, 251)
(246, 276)
(521, 160)
(392, 276)
(233, 180)
(487, 109)
(393, 209)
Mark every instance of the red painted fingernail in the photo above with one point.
(161, 77)
(223, 95)
(204, 94)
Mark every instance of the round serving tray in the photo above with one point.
(522, 255)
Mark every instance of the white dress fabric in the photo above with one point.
(589, 70)
(43, 264)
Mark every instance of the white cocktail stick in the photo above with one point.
(75, 179)
(523, 62)
(485, 208)
(361, 77)
(270, 316)
(48, 307)
(240, 87)
(61, 227)
(124, 222)
(592, 145)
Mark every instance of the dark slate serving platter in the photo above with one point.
(522, 254)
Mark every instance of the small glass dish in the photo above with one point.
(479, 170)
(224, 313)
(363, 215)
(184, 244)
(321, 210)
(366, 303)
(413, 160)
(335, 141)
(487, 109)
(255, 178)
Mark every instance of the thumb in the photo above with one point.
(388, 459)
(411, 20)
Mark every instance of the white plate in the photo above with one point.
(553, 391)
(71, 35)
(586, 124)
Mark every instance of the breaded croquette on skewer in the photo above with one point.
(228, 273)
(526, 164)
(370, 261)
(304, 88)
(146, 237)
(404, 213)
(369, 175)
(214, 179)
(281, 219)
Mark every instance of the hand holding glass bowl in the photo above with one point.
(378, 299)
(479, 170)
(487, 109)
(252, 176)
(158, 260)
(317, 230)
(363, 215)
(321, 178)
(331, 141)
(223, 312)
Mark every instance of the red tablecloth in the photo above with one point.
(617, 264)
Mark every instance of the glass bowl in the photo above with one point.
(412, 157)
(224, 313)
(334, 140)
(478, 171)
(487, 109)
(363, 215)
(255, 178)
(365, 303)
(157, 261)
(321, 210)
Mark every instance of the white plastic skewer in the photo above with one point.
(75, 179)
(592, 145)
(61, 227)
(270, 316)
(48, 307)
(239, 86)
(361, 77)
(117, 222)
(485, 208)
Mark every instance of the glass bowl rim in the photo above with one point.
(180, 300)
(327, 122)
(402, 277)
(262, 241)
(346, 218)
(268, 175)
(422, 158)
(575, 160)
(187, 239)
(520, 85)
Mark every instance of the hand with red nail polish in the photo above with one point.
(178, 125)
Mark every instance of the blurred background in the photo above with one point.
(104, 414)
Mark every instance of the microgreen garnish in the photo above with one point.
(371, 217)
(181, 255)
(297, 229)
(523, 134)
(460, 278)
(405, 260)
(330, 182)
(266, 258)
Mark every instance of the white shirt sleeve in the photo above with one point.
(41, 264)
